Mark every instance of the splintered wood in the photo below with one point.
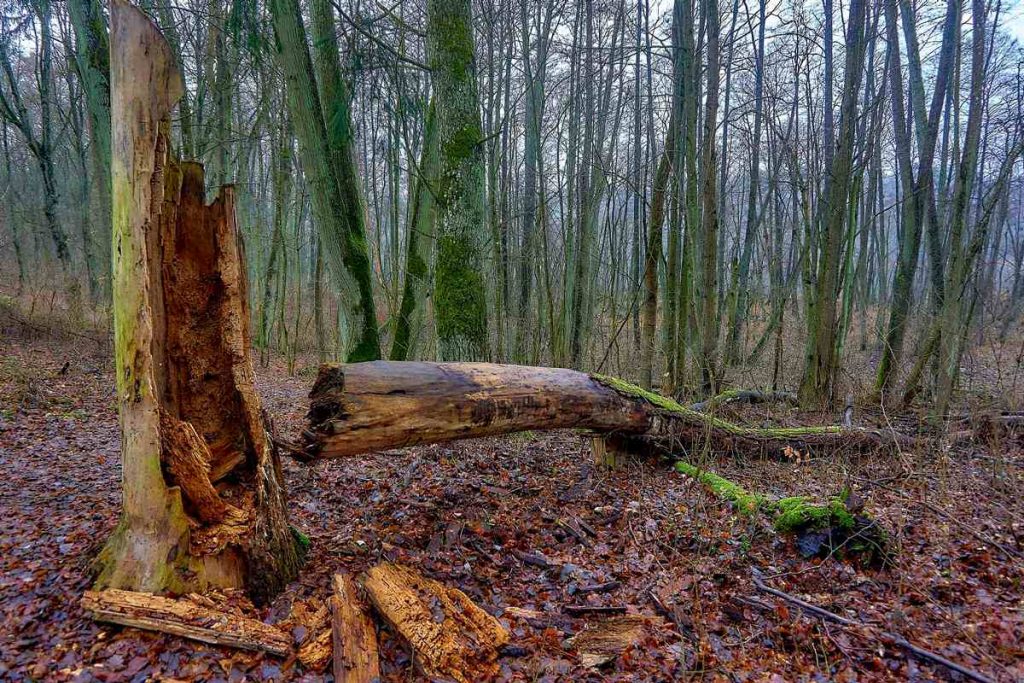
(453, 639)
(606, 640)
(354, 638)
(185, 618)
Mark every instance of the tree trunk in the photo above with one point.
(817, 386)
(204, 501)
(459, 299)
(419, 258)
(337, 210)
(364, 407)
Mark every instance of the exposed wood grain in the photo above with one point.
(452, 638)
(185, 618)
(354, 637)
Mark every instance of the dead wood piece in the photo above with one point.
(578, 610)
(316, 649)
(745, 396)
(185, 618)
(380, 405)
(534, 559)
(605, 587)
(188, 458)
(602, 642)
(354, 638)
(452, 637)
(523, 613)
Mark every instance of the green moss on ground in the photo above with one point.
(800, 514)
(745, 502)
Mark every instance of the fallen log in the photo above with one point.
(354, 638)
(375, 406)
(451, 637)
(185, 618)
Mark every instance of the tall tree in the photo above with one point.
(459, 299)
(337, 212)
(817, 385)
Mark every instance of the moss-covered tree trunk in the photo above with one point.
(204, 501)
(334, 195)
(419, 247)
(92, 58)
(459, 299)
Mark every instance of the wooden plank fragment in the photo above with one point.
(604, 641)
(452, 638)
(185, 618)
(354, 637)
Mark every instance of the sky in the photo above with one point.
(1015, 19)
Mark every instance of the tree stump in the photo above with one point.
(204, 501)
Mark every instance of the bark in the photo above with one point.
(365, 407)
(451, 637)
(337, 207)
(419, 256)
(459, 286)
(654, 254)
(186, 618)
(92, 55)
(817, 386)
(709, 215)
(182, 345)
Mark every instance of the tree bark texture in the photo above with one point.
(204, 501)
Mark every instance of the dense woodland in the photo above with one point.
(765, 258)
(670, 191)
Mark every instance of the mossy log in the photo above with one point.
(365, 407)
(820, 527)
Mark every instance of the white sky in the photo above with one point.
(1015, 19)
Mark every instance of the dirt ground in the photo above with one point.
(467, 513)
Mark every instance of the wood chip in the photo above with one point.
(605, 640)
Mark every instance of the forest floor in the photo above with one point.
(466, 513)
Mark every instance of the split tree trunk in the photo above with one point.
(363, 407)
(204, 500)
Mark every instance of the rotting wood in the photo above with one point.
(605, 640)
(452, 637)
(354, 637)
(316, 650)
(189, 412)
(366, 407)
(185, 618)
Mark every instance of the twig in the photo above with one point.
(1009, 552)
(894, 639)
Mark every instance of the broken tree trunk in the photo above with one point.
(187, 619)
(204, 501)
(375, 406)
(452, 638)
